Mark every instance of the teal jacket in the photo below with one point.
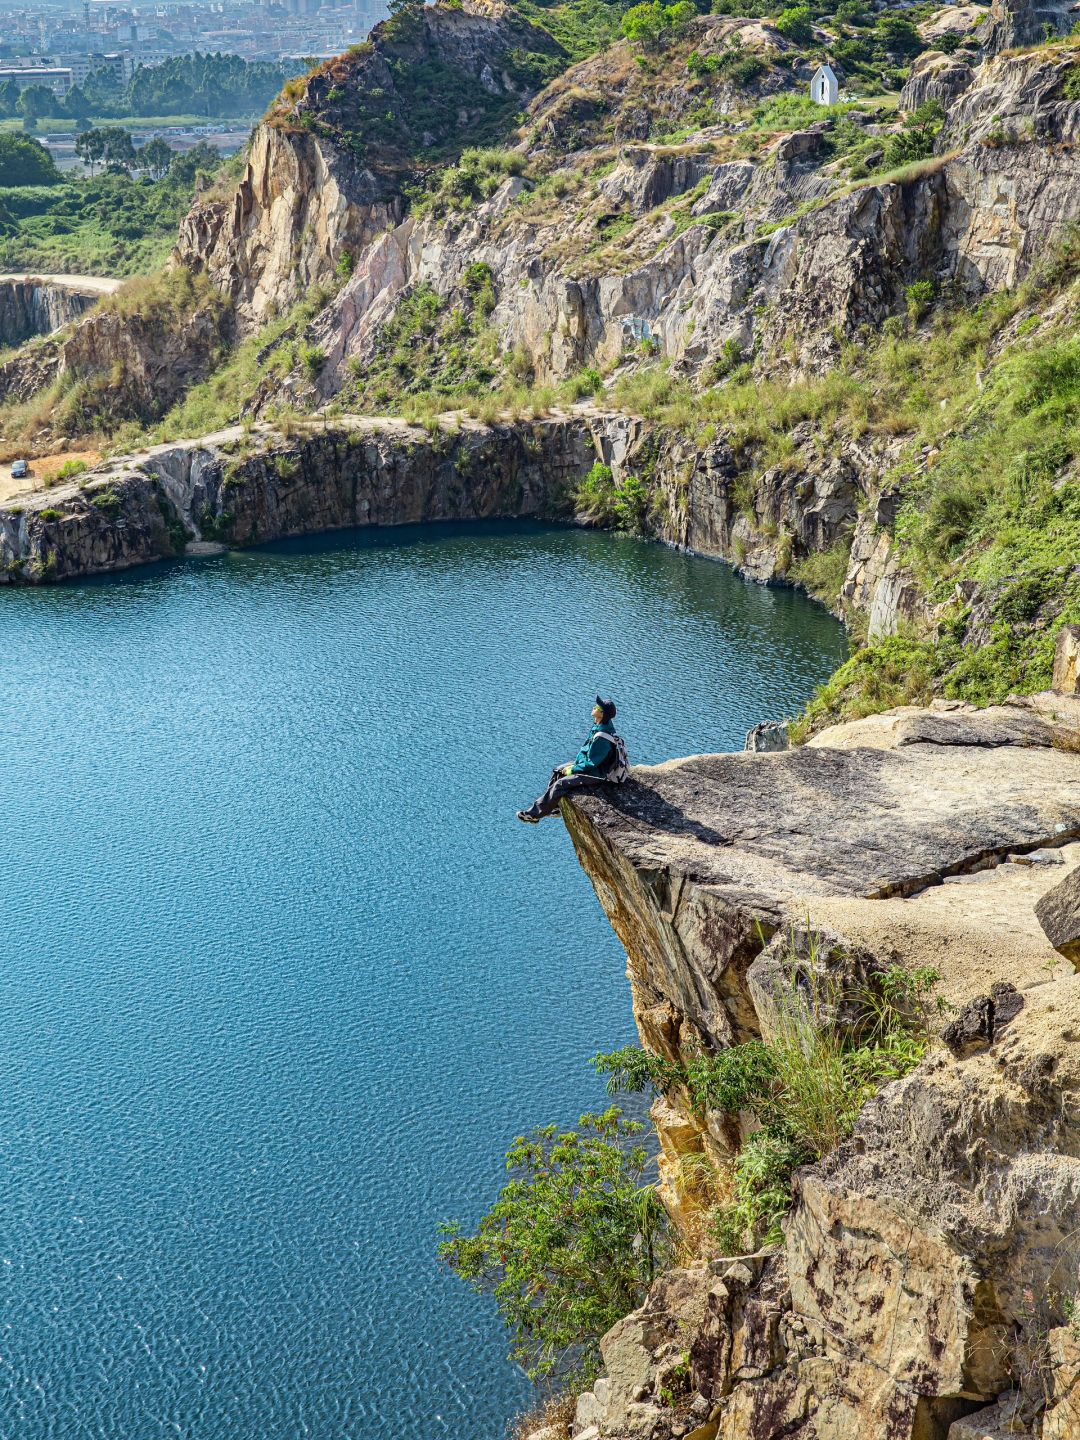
(596, 754)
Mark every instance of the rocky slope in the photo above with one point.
(770, 250)
(326, 172)
(929, 1264)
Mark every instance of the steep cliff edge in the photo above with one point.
(929, 1264)
(37, 305)
(244, 487)
(328, 169)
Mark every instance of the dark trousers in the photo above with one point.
(561, 785)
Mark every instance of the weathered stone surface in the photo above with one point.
(1062, 1418)
(1059, 915)
(249, 488)
(769, 736)
(32, 306)
(999, 1421)
(982, 1020)
(307, 196)
(1066, 679)
(925, 1259)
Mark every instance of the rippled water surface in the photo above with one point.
(283, 975)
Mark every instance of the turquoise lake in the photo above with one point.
(283, 975)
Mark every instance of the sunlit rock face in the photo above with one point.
(929, 1256)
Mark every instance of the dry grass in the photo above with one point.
(556, 1413)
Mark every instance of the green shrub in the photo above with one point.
(916, 140)
(25, 161)
(570, 1246)
(919, 297)
(595, 496)
(796, 24)
(632, 504)
(312, 359)
(647, 24)
(805, 1084)
(107, 501)
(897, 35)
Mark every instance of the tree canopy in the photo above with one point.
(572, 1243)
(24, 161)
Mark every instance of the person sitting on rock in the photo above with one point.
(600, 761)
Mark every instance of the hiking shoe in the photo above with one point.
(529, 819)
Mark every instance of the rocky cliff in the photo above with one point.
(774, 251)
(327, 170)
(32, 305)
(244, 487)
(930, 1264)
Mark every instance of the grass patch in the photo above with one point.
(827, 1051)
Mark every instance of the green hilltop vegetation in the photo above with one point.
(107, 224)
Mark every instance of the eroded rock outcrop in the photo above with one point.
(243, 488)
(326, 173)
(926, 1261)
(31, 305)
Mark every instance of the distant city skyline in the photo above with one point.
(57, 32)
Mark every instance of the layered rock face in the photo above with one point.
(302, 204)
(928, 1264)
(326, 171)
(30, 307)
(1026, 22)
(832, 262)
(244, 488)
(128, 361)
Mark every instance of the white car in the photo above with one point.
(20, 470)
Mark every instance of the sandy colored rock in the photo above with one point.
(926, 1259)
(1058, 912)
(1066, 679)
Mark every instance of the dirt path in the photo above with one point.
(92, 284)
(42, 471)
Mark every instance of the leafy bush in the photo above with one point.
(734, 63)
(632, 504)
(647, 24)
(312, 359)
(916, 140)
(570, 1246)
(796, 24)
(919, 297)
(897, 36)
(595, 496)
(805, 1084)
(24, 161)
(476, 176)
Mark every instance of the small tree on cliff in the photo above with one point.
(570, 1246)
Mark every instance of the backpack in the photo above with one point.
(619, 766)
